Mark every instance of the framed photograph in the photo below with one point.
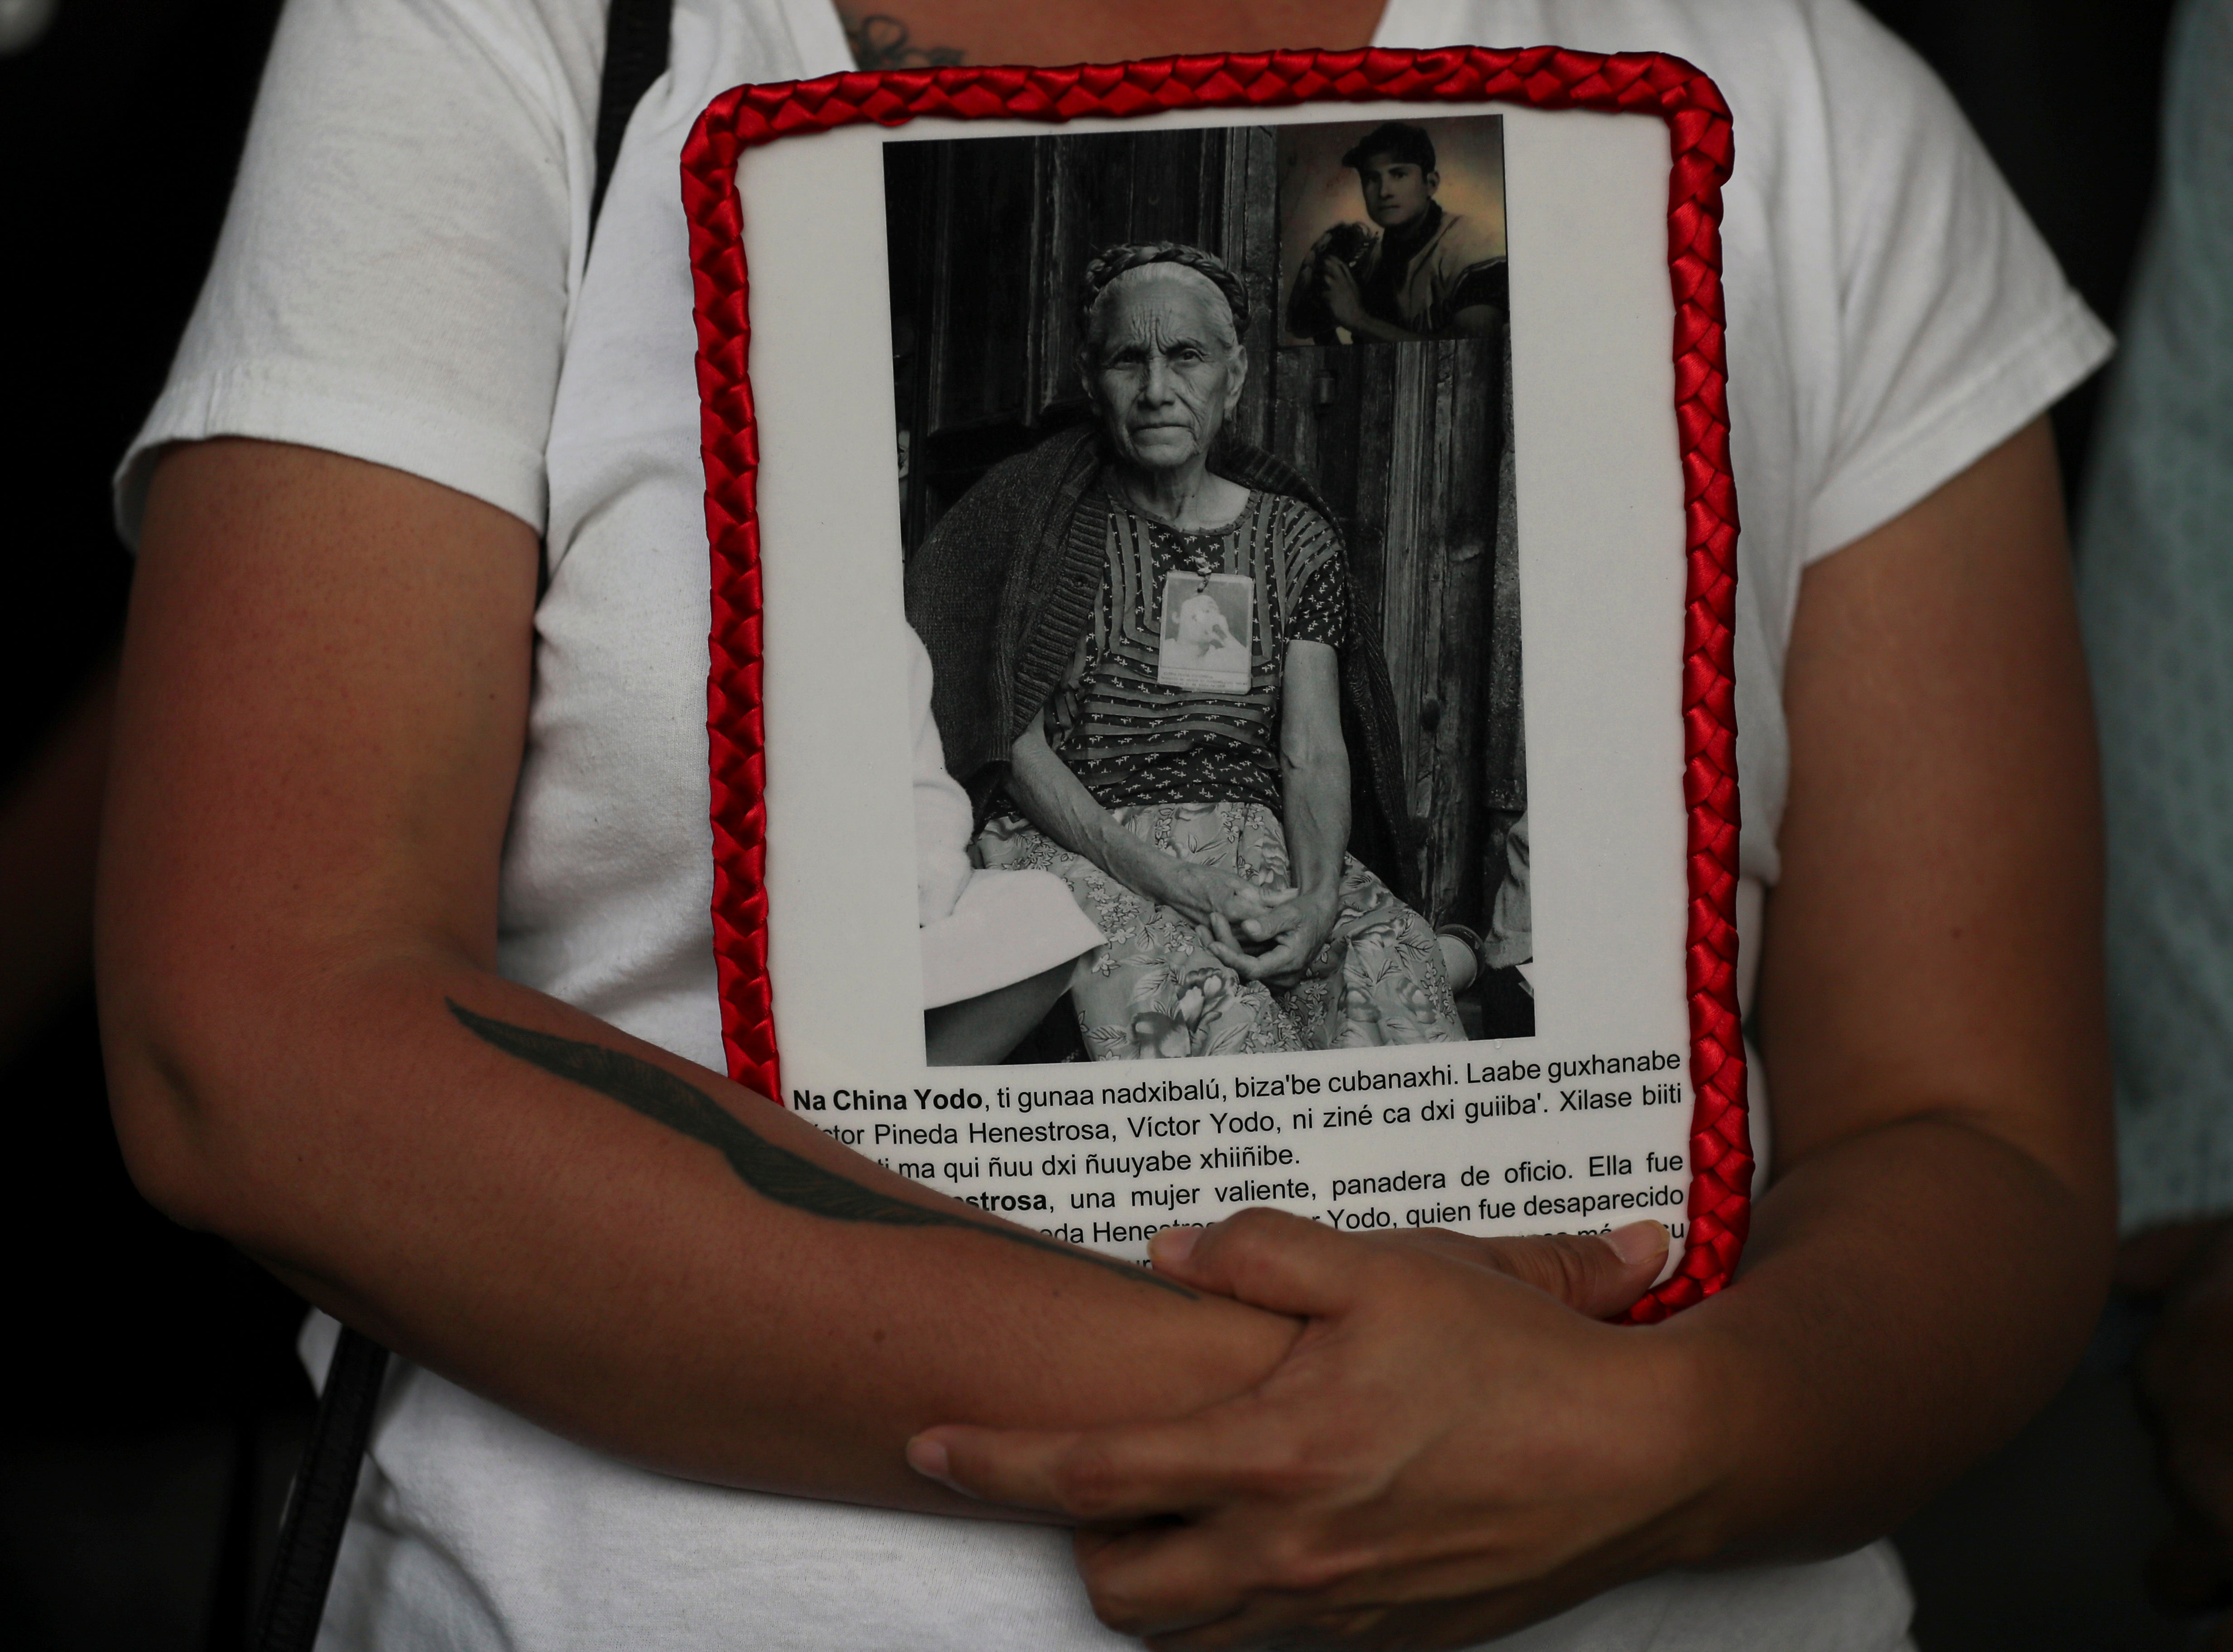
(1219, 684)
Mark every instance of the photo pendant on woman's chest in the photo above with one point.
(1207, 632)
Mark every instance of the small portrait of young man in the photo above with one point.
(1416, 271)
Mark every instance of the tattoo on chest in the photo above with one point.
(879, 40)
(773, 1172)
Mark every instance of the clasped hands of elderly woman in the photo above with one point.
(1288, 940)
(1271, 933)
(1276, 935)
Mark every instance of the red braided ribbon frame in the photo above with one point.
(1541, 77)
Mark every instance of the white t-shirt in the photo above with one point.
(405, 277)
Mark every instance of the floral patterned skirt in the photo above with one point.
(1153, 989)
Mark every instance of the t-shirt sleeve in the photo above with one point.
(1957, 328)
(1320, 610)
(392, 278)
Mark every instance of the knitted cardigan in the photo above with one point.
(1004, 590)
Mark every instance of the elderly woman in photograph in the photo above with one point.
(1197, 796)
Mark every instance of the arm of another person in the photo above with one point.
(319, 732)
(1443, 1456)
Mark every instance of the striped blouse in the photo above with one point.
(1132, 739)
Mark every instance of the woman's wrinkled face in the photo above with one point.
(1163, 365)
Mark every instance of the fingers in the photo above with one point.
(1244, 948)
(1254, 966)
(1268, 1259)
(1298, 953)
(1442, 1241)
(1019, 1467)
(1107, 1476)
(1282, 918)
(1597, 1276)
(1175, 1587)
(1189, 1587)
(1226, 948)
(1257, 924)
(1290, 1265)
(1149, 1576)
(1123, 1575)
(1238, 962)
(1283, 965)
(1245, 897)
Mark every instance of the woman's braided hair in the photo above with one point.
(1112, 261)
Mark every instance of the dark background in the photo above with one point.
(155, 1401)
(155, 1397)
(989, 241)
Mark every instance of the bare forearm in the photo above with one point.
(1314, 771)
(1938, 1239)
(1909, 1297)
(1055, 801)
(630, 1249)
(1317, 806)
(319, 723)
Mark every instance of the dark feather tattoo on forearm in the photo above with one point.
(773, 1172)
(878, 40)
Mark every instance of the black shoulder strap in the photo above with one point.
(294, 1604)
(636, 42)
(318, 1505)
(636, 33)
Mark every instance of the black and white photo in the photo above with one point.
(1221, 623)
